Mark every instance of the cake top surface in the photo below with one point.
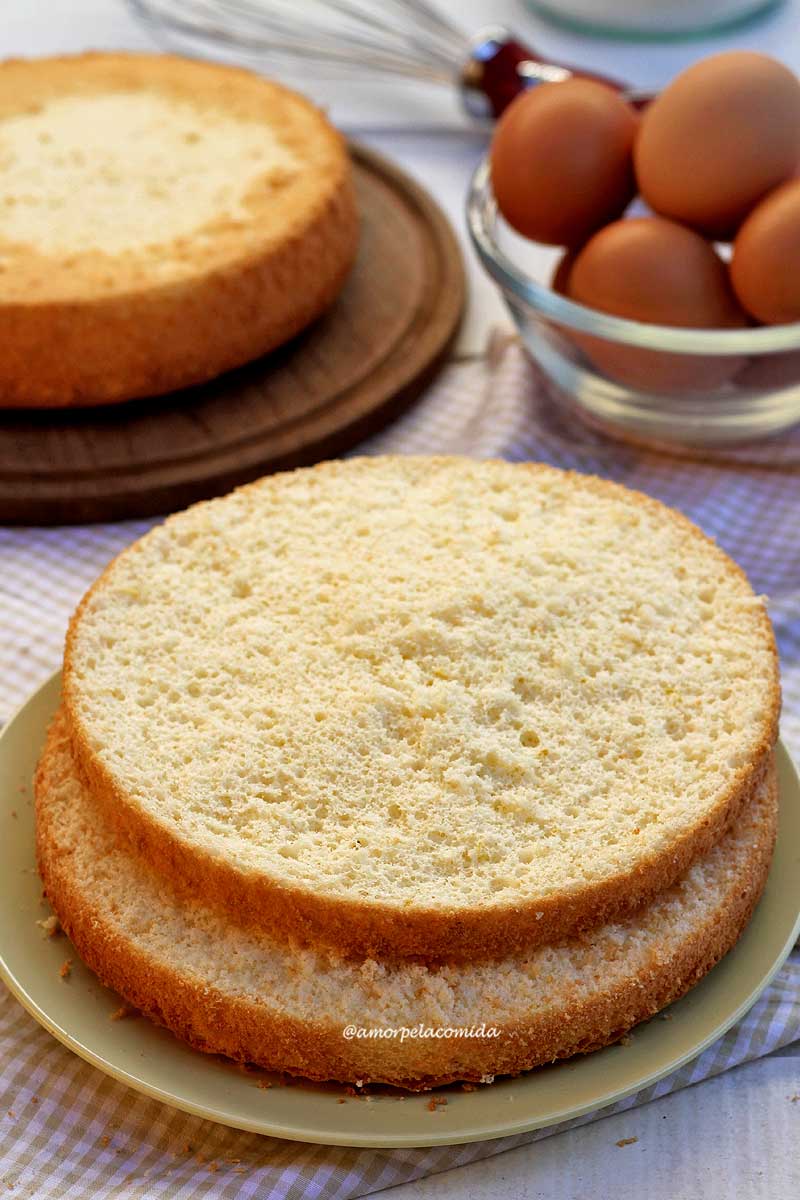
(430, 684)
(125, 170)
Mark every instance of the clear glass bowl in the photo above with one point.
(659, 384)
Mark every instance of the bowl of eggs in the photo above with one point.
(649, 253)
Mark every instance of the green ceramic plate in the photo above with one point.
(152, 1061)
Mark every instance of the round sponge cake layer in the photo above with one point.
(163, 221)
(428, 707)
(257, 999)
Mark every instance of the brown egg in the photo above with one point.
(561, 160)
(653, 270)
(722, 135)
(561, 273)
(765, 269)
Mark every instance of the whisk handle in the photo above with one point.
(499, 68)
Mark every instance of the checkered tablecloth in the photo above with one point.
(68, 1131)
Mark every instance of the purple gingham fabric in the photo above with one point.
(69, 1132)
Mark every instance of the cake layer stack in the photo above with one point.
(405, 743)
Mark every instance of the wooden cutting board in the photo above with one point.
(344, 378)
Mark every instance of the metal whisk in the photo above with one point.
(405, 38)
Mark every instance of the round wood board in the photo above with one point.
(343, 378)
